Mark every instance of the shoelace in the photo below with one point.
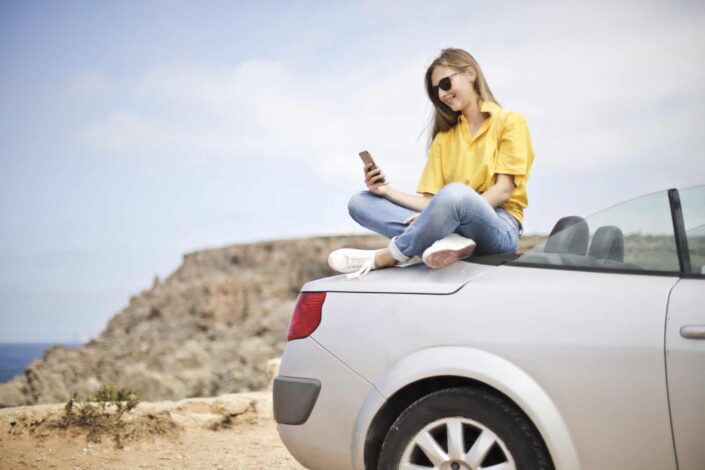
(366, 267)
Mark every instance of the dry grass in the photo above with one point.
(106, 413)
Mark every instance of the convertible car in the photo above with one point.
(586, 352)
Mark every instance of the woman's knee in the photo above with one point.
(359, 203)
(455, 193)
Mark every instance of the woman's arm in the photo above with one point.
(501, 191)
(377, 184)
(496, 195)
(415, 202)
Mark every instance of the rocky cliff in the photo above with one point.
(208, 329)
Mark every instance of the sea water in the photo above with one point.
(15, 357)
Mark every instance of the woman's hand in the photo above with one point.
(411, 218)
(375, 180)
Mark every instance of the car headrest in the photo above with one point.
(607, 243)
(570, 235)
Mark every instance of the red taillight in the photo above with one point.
(307, 314)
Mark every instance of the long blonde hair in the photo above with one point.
(443, 117)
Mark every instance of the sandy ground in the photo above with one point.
(233, 431)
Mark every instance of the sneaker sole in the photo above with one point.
(443, 258)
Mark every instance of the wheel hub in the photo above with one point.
(454, 465)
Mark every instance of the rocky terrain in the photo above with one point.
(208, 329)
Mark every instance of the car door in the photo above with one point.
(685, 336)
(685, 369)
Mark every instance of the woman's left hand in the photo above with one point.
(411, 218)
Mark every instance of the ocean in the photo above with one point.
(14, 357)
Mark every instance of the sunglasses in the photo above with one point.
(444, 84)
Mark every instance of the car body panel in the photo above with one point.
(324, 440)
(598, 358)
(685, 358)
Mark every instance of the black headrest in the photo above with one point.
(570, 235)
(607, 243)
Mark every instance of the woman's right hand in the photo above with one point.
(410, 220)
(375, 180)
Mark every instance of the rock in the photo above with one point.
(11, 393)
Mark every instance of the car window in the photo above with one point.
(633, 236)
(693, 208)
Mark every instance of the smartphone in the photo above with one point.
(367, 159)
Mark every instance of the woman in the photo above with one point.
(472, 191)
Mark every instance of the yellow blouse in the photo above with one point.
(501, 145)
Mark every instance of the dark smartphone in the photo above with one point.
(367, 159)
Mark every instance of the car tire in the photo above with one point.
(462, 428)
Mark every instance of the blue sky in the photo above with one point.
(134, 132)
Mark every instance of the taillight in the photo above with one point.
(307, 314)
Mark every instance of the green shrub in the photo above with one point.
(100, 413)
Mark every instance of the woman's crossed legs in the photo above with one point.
(456, 208)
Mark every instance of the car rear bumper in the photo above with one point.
(325, 439)
(294, 399)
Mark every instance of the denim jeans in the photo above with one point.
(455, 208)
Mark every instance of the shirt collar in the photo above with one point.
(489, 107)
(486, 107)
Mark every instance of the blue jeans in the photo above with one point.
(455, 208)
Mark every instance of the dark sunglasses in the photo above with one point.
(444, 84)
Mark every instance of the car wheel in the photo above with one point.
(463, 429)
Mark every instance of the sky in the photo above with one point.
(134, 132)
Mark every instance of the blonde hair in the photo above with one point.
(443, 117)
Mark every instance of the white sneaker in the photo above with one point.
(448, 250)
(355, 263)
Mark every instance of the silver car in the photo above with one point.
(587, 352)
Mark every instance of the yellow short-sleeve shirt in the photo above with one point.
(501, 145)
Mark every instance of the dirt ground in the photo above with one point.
(234, 431)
